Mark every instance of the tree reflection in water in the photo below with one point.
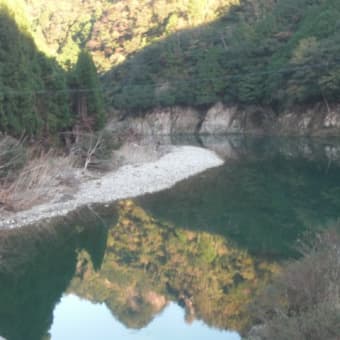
(148, 263)
(136, 268)
(208, 244)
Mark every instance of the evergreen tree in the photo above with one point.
(89, 97)
(34, 99)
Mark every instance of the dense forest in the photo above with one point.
(114, 30)
(276, 53)
(37, 96)
(273, 53)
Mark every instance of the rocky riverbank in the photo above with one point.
(134, 179)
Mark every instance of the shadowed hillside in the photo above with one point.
(272, 54)
(37, 96)
(276, 54)
(32, 86)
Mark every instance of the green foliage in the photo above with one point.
(113, 30)
(196, 52)
(34, 89)
(88, 89)
(261, 52)
(33, 99)
(303, 301)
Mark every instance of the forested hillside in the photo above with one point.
(37, 96)
(113, 30)
(25, 107)
(278, 53)
(161, 53)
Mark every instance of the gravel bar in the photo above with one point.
(126, 182)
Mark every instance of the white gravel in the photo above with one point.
(126, 182)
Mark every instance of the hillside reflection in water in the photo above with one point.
(207, 245)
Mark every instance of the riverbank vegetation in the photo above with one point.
(303, 302)
(49, 115)
(29, 176)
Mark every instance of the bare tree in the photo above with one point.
(95, 143)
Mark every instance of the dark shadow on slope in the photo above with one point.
(177, 69)
(33, 88)
(248, 56)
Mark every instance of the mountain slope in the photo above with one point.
(271, 53)
(275, 53)
(113, 30)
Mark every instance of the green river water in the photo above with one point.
(183, 263)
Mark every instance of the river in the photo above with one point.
(182, 263)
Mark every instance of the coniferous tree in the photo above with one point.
(89, 97)
(34, 99)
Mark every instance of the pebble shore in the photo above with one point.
(126, 182)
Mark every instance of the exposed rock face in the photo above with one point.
(298, 124)
(315, 121)
(219, 120)
(225, 119)
(185, 121)
(332, 120)
(163, 121)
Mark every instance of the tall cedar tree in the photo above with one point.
(89, 98)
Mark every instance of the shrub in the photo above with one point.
(304, 300)
(12, 157)
(36, 182)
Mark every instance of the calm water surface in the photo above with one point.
(179, 264)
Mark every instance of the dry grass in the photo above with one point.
(12, 157)
(38, 181)
(31, 175)
(303, 303)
